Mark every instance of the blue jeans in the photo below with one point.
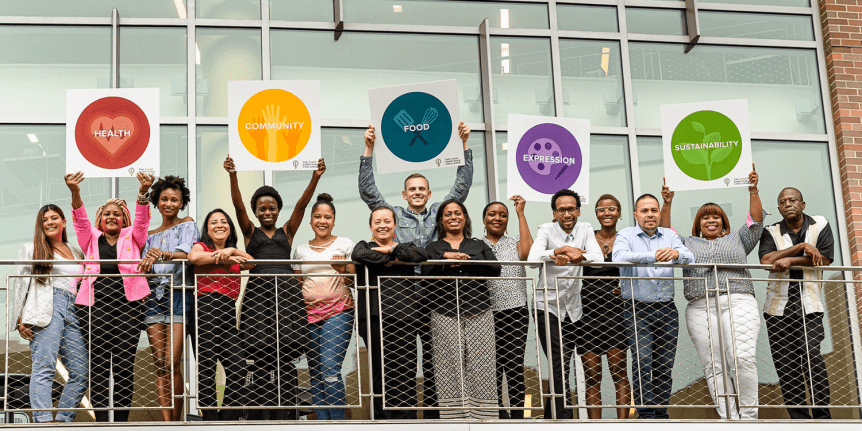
(61, 337)
(652, 330)
(328, 345)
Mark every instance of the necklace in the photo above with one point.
(320, 247)
(606, 244)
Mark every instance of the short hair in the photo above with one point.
(438, 219)
(416, 175)
(645, 196)
(794, 189)
(265, 191)
(205, 236)
(564, 192)
(324, 199)
(607, 196)
(708, 209)
(170, 182)
(485, 210)
(380, 208)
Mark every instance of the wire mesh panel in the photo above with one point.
(808, 349)
(253, 336)
(477, 364)
(89, 358)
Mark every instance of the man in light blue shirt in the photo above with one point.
(651, 318)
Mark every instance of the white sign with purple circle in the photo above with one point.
(547, 154)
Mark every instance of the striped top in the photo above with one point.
(732, 248)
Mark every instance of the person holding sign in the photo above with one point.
(509, 300)
(114, 312)
(416, 224)
(560, 243)
(793, 310)
(733, 315)
(651, 318)
(264, 329)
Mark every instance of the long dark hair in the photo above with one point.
(42, 248)
(441, 233)
(205, 236)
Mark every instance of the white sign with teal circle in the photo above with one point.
(706, 145)
(416, 126)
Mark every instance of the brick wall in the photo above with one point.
(841, 21)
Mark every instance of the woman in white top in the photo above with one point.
(330, 308)
(44, 311)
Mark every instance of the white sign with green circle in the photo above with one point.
(706, 145)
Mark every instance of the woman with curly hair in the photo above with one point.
(166, 309)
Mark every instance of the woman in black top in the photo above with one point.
(274, 333)
(462, 325)
(601, 330)
(396, 315)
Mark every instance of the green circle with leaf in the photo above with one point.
(706, 145)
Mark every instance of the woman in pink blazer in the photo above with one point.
(114, 314)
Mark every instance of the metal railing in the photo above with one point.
(453, 336)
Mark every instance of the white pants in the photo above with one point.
(703, 321)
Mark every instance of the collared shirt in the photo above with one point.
(412, 227)
(825, 241)
(635, 246)
(568, 295)
(179, 238)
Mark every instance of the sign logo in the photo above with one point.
(112, 132)
(549, 158)
(274, 125)
(706, 145)
(416, 127)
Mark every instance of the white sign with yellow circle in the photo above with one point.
(274, 125)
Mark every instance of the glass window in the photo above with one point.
(156, 58)
(225, 55)
(656, 21)
(592, 81)
(781, 85)
(213, 184)
(31, 175)
(756, 25)
(228, 9)
(38, 64)
(173, 160)
(301, 10)
(522, 82)
(95, 8)
(432, 12)
(797, 3)
(359, 61)
(587, 18)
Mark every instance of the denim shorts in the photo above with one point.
(158, 310)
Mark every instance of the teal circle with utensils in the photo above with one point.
(416, 127)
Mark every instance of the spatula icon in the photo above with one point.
(403, 119)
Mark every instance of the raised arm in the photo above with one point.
(667, 197)
(367, 188)
(291, 226)
(525, 241)
(755, 207)
(245, 224)
(142, 211)
(464, 176)
(79, 214)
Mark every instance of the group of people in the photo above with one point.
(455, 319)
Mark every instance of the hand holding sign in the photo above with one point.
(666, 194)
(752, 180)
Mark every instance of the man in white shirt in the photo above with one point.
(561, 244)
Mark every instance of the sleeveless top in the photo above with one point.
(263, 247)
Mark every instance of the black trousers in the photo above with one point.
(510, 333)
(112, 327)
(566, 351)
(399, 345)
(795, 343)
(219, 340)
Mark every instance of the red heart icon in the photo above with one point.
(112, 132)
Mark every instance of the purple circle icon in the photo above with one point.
(549, 158)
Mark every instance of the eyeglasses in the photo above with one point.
(606, 209)
(570, 210)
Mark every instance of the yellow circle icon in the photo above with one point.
(274, 125)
